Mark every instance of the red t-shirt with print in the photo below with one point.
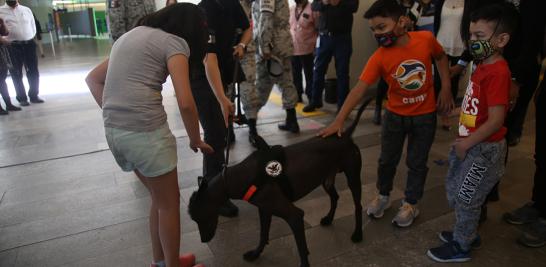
(408, 72)
(489, 86)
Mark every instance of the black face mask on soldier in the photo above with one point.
(11, 3)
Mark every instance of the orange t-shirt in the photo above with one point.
(408, 72)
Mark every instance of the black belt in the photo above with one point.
(22, 42)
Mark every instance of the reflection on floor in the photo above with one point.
(64, 202)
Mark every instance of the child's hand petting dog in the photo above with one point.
(333, 128)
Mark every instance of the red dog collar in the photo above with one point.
(250, 192)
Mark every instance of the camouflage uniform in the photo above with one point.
(123, 15)
(249, 95)
(272, 35)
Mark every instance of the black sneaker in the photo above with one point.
(523, 215)
(535, 236)
(3, 112)
(228, 209)
(449, 252)
(447, 236)
(36, 100)
(24, 103)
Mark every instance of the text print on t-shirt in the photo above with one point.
(411, 75)
(469, 109)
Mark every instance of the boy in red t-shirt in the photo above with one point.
(404, 61)
(477, 157)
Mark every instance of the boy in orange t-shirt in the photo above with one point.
(404, 61)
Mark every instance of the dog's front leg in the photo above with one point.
(265, 223)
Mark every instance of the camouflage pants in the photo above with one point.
(265, 82)
(248, 92)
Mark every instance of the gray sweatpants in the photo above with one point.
(468, 182)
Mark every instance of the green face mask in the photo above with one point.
(481, 49)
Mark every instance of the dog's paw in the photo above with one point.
(326, 221)
(251, 255)
(356, 237)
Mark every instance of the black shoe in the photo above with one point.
(252, 131)
(24, 103)
(36, 100)
(291, 122)
(12, 108)
(3, 112)
(252, 138)
(228, 209)
(311, 107)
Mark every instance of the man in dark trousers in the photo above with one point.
(22, 50)
(534, 213)
(224, 17)
(335, 26)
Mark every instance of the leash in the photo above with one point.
(228, 144)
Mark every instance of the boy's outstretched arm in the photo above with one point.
(495, 120)
(445, 98)
(354, 97)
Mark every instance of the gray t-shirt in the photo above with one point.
(137, 70)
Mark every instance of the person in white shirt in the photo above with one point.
(22, 50)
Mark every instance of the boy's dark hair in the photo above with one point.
(186, 21)
(386, 9)
(504, 15)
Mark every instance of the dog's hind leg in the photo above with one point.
(265, 223)
(330, 188)
(352, 172)
(294, 217)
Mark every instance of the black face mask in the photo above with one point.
(11, 3)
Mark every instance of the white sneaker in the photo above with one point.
(377, 207)
(406, 214)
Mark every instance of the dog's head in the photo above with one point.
(203, 209)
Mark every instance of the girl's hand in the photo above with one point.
(333, 128)
(200, 145)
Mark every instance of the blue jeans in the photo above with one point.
(420, 131)
(340, 47)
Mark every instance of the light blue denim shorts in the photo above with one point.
(152, 153)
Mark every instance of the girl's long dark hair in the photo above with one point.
(184, 20)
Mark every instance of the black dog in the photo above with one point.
(307, 165)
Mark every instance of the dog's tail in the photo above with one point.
(352, 127)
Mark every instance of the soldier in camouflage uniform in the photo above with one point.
(248, 93)
(123, 15)
(274, 42)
